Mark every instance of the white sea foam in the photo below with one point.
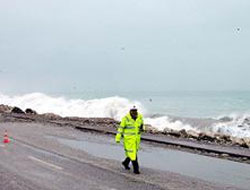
(116, 107)
(164, 122)
(237, 126)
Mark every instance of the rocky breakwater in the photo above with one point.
(15, 114)
(203, 137)
(15, 110)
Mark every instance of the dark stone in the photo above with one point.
(203, 136)
(244, 145)
(174, 133)
(17, 110)
(226, 119)
(30, 111)
(87, 121)
(247, 120)
(183, 133)
(226, 138)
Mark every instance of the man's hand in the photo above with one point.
(141, 128)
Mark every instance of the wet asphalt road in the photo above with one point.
(34, 160)
(31, 168)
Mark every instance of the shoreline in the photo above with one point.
(201, 131)
(202, 145)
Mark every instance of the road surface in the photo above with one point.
(43, 156)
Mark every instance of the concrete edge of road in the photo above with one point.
(222, 152)
(203, 148)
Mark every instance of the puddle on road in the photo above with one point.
(203, 167)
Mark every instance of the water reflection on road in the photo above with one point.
(203, 167)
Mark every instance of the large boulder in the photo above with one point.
(225, 138)
(5, 108)
(172, 132)
(247, 142)
(183, 133)
(206, 137)
(30, 111)
(239, 142)
(192, 134)
(226, 119)
(150, 129)
(17, 110)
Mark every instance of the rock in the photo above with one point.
(5, 108)
(150, 129)
(174, 133)
(237, 141)
(192, 134)
(244, 145)
(226, 138)
(247, 120)
(226, 119)
(166, 130)
(217, 136)
(17, 110)
(206, 137)
(147, 127)
(183, 133)
(224, 155)
(30, 111)
(246, 142)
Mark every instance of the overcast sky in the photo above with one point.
(123, 45)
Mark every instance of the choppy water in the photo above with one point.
(161, 109)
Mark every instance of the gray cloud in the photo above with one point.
(125, 45)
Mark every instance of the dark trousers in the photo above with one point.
(135, 164)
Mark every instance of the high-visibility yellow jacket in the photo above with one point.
(130, 130)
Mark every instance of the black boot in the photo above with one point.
(136, 166)
(125, 163)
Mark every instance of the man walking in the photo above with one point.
(130, 129)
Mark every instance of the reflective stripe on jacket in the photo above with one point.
(129, 129)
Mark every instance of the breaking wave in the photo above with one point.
(116, 107)
(234, 125)
(113, 107)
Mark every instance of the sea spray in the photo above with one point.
(113, 107)
(235, 126)
(164, 122)
(116, 107)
